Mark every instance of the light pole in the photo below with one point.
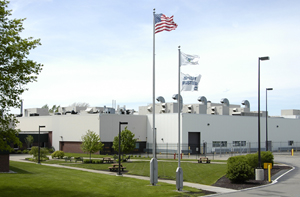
(259, 173)
(267, 117)
(39, 161)
(119, 171)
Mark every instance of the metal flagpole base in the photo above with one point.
(179, 179)
(153, 171)
(259, 174)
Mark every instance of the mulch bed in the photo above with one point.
(226, 183)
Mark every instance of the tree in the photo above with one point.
(53, 109)
(29, 140)
(16, 70)
(127, 141)
(79, 105)
(91, 143)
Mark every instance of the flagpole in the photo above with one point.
(153, 162)
(179, 172)
(153, 98)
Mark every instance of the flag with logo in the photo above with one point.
(188, 82)
(189, 59)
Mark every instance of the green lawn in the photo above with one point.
(38, 180)
(192, 172)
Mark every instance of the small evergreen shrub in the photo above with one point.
(19, 151)
(238, 169)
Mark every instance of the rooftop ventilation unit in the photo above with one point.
(246, 103)
(190, 109)
(160, 99)
(163, 110)
(225, 102)
(149, 109)
(213, 110)
(202, 99)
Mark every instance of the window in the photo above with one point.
(219, 143)
(137, 145)
(239, 143)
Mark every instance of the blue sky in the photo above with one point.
(96, 51)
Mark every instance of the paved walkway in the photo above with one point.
(218, 190)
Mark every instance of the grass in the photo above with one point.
(206, 174)
(39, 180)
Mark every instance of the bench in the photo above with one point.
(68, 158)
(115, 167)
(78, 159)
(202, 159)
(107, 160)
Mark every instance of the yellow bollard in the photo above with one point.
(292, 152)
(269, 173)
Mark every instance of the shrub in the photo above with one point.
(25, 151)
(266, 157)
(51, 150)
(58, 154)
(238, 169)
(115, 156)
(86, 161)
(19, 151)
(252, 160)
(35, 151)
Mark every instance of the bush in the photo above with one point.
(94, 161)
(51, 150)
(58, 154)
(35, 151)
(25, 151)
(19, 151)
(87, 161)
(238, 169)
(115, 156)
(266, 157)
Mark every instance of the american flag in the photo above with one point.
(164, 23)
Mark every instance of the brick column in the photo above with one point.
(4, 163)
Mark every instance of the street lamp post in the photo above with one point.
(119, 171)
(39, 161)
(267, 117)
(259, 173)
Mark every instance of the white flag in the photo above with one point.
(189, 83)
(188, 59)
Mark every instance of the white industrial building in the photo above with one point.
(205, 126)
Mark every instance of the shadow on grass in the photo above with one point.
(19, 171)
(38, 191)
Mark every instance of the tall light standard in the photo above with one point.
(259, 172)
(267, 117)
(119, 171)
(39, 161)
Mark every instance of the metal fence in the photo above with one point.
(169, 150)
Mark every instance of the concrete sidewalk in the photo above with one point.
(219, 190)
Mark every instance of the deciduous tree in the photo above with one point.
(16, 70)
(127, 141)
(91, 143)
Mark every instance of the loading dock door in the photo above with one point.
(194, 142)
